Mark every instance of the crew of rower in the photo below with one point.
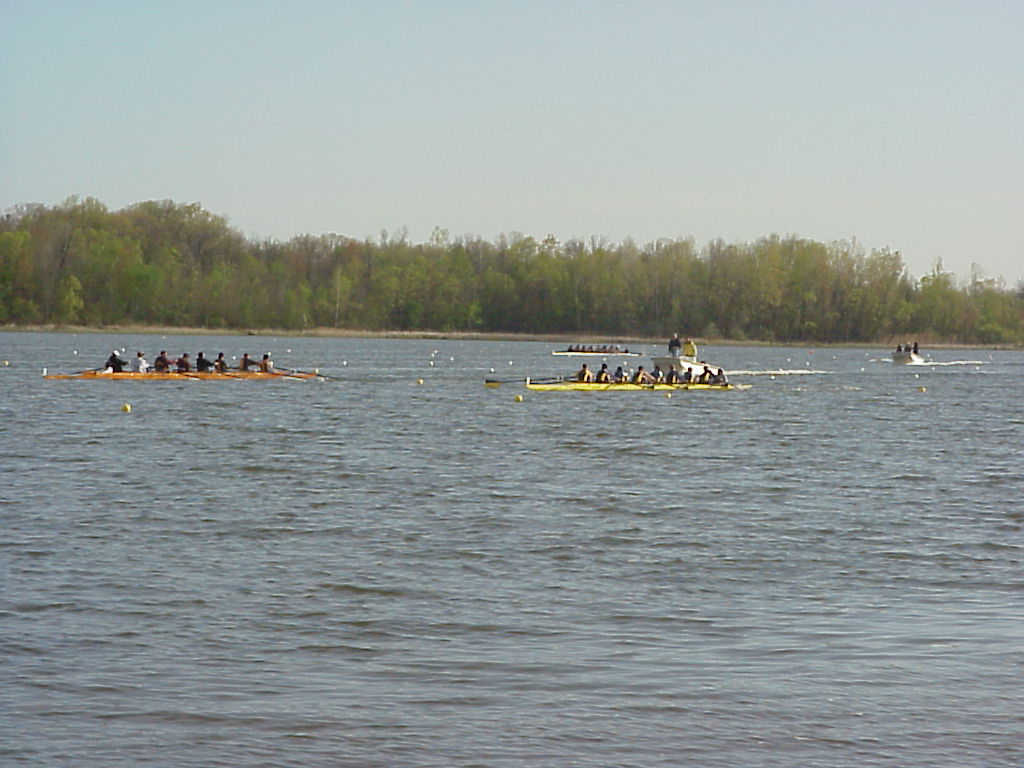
(908, 348)
(603, 349)
(184, 364)
(649, 378)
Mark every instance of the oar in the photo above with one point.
(499, 382)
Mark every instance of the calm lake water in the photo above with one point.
(824, 569)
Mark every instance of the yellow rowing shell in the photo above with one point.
(580, 386)
(182, 376)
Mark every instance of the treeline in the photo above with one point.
(171, 264)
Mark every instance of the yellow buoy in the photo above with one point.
(921, 389)
(668, 395)
(519, 398)
(419, 381)
(127, 407)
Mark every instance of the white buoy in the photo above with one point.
(510, 362)
(492, 370)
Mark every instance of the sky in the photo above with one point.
(897, 124)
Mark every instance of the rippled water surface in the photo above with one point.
(824, 569)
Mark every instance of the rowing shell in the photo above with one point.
(189, 376)
(581, 386)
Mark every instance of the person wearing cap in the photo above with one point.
(139, 364)
(114, 363)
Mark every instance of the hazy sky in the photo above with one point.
(899, 124)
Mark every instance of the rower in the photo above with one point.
(246, 362)
(184, 363)
(266, 364)
(620, 375)
(203, 364)
(115, 363)
(719, 378)
(584, 374)
(220, 364)
(603, 377)
(672, 377)
(642, 377)
(162, 364)
(140, 364)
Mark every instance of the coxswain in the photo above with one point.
(162, 364)
(114, 363)
(674, 345)
(203, 363)
(184, 363)
(220, 364)
(139, 363)
(246, 362)
(603, 377)
(266, 364)
(642, 377)
(585, 375)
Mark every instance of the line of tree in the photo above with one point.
(171, 264)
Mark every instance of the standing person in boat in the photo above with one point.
(585, 375)
(114, 363)
(642, 377)
(203, 363)
(674, 345)
(184, 363)
(689, 348)
(139, 363)
(246, 362)
(266, 364)
(603, 377)
(916, 348)
(220, 365)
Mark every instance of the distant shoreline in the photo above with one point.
(552, 338)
